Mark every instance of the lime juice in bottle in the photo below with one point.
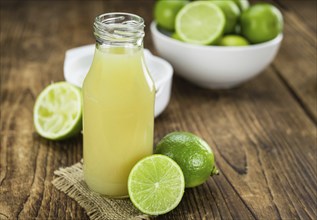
(118, 104)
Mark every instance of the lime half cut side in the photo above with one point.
(156, 185)
(58, 111)
(200, 23)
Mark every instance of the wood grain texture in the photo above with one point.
(263, 133)
(305, 9)
(296, 63)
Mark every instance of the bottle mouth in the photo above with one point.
(119, 28)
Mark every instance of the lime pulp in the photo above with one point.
(156, 185)
(57, 111)
(200, 23)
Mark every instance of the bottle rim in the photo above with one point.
(119, 28)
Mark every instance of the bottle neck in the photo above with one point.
(120, 49)
(122, 30)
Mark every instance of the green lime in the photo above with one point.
(243, 4)
(261, 22)
(237, 29)
(165, 12)
(176, 36)
(200, 23)
(233, 40)
(232, 13)
(156, 185)
(191, 153)
(58, 111)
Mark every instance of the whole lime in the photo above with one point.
(232, 13)
(176, 36)
(165, 12)
(191, 153)
(233, 40)
(261, 22)
(243, 4)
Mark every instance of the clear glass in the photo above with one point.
(118, 104)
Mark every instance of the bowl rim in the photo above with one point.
(156, 32)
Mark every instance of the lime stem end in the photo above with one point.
(214, 171)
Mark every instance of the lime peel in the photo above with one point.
(192, 154)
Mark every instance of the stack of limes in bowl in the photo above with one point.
(219, 22)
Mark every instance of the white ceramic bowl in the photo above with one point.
(78, 60)
(215, 67)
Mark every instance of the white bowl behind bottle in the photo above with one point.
(78, 60)
(215, 67)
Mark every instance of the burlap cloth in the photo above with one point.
(70, 181)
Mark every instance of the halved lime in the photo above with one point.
(156, 185)
(58, 111)
(200, 23)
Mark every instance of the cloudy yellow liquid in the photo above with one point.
(118, 118)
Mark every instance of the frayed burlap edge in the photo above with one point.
(70, 181)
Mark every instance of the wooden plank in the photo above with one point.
(265, 145)
(32, 54)
(304, 9)
(33, 43)
(296, 62)
(260, 148)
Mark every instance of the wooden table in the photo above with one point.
(263, 133)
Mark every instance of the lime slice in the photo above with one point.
(200, 23)
(58, 111)
(156, 185)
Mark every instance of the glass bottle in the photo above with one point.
(118, 104)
